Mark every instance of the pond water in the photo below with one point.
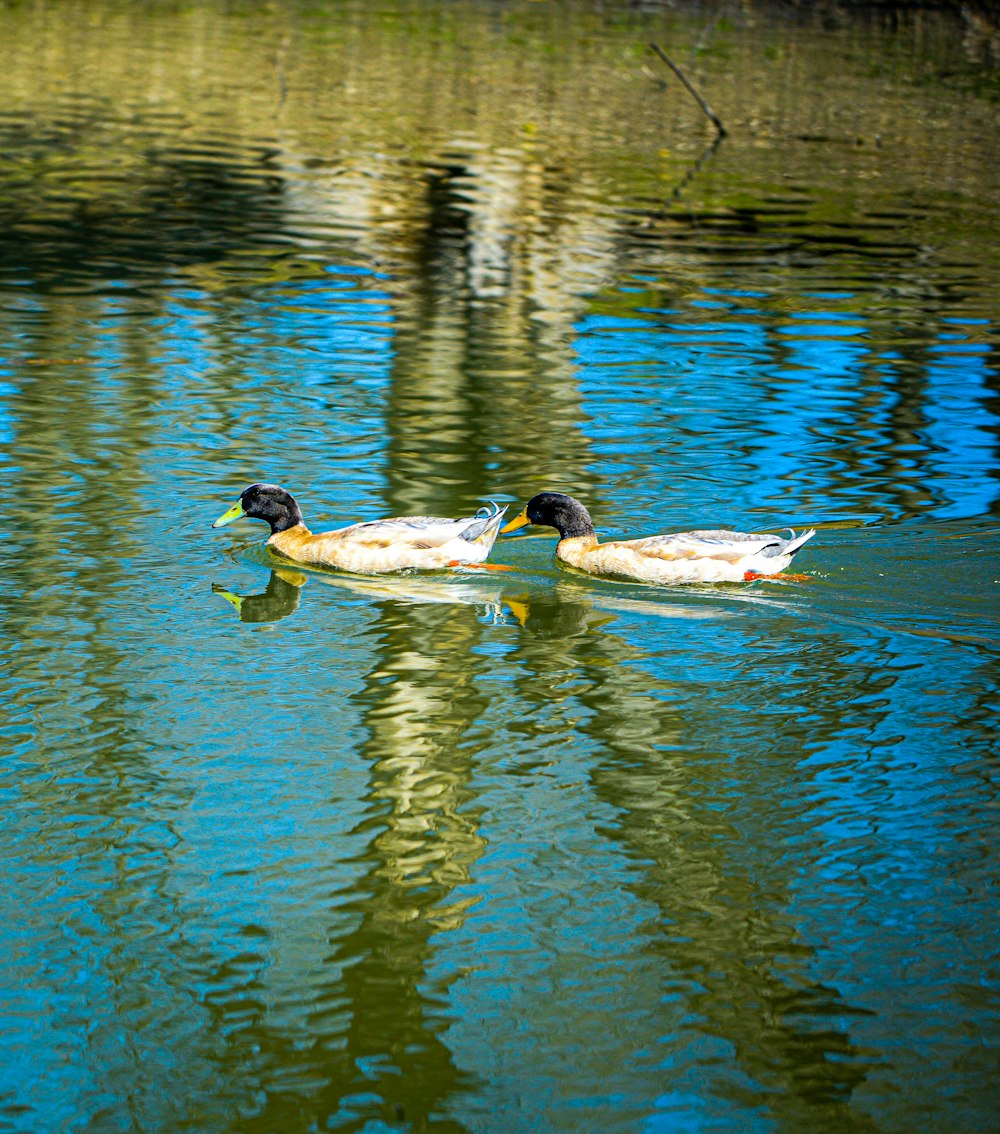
(498, 851)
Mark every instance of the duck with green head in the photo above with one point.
(374, 547)
(705, 556)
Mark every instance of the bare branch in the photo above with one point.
(692, 90)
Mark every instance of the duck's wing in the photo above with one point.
(717, 543)
(422, 531)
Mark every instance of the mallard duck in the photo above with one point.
(715, 556)
(371, 548)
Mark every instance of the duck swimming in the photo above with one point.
(715, 556)
(371, 548)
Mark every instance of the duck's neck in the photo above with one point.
(291, 541)
(283, 517)
(573, 549)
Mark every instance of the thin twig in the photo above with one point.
(678, 194)
(692, 173)
(692, 90)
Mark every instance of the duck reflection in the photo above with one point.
(559, 610)
(282, 595)
(279, 599)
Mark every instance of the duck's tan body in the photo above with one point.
(378, 547)
(687, 557)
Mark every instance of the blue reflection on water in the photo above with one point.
(961, 431)
(784, 395)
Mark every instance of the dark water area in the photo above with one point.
(528, 850)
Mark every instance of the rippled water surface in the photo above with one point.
(497, 851)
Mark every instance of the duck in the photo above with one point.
(375, 547)
(710, 556)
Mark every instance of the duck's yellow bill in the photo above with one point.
(520, 521)
(235, 601)
(227, 517)
(519, 608)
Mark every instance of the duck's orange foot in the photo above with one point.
(751, 576)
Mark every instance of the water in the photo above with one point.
(521, 850)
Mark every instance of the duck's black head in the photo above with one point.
(264, 502)
(554, 510)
